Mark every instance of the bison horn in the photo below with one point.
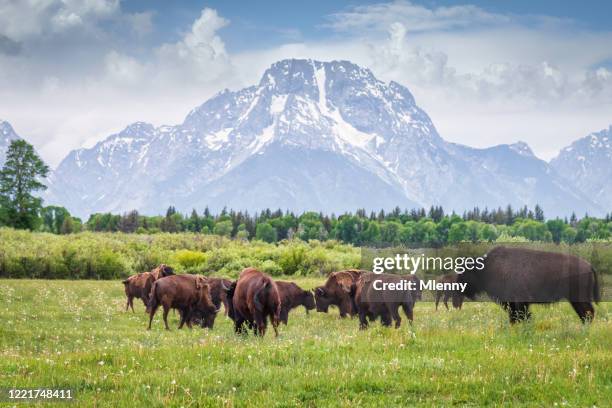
(225, 288)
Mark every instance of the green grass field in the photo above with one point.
(76, 334)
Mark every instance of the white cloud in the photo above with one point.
(414, 17)
(141, 23)
(200, 54)
(23, 19)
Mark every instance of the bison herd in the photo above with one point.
(513, 277)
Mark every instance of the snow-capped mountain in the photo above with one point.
(588, 163)
(311, 135)
(7, 134)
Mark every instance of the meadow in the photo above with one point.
(76, 334)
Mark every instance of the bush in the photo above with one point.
(271, 268)
(190, 259)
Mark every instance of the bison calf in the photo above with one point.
(292, 296)
(189, 294)
(139, 285)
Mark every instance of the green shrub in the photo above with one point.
(190, 259)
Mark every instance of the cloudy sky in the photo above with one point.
(72, 72)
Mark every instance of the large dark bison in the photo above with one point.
(518, 277)
(139, 285)
(254, 299)
(337, 291)
(292, 296)
(373, 299)
(189, 294)
(456, 296)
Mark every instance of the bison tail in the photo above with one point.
(152, 304)
(258, 305)
(596, 288)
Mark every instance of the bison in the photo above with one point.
(292, 296)
(255, 297)
(336, 291)
(457, 297)
(218, 292)
(373, 300)
(162, 271)
(139, 285)
(189, 294)
(518, 277)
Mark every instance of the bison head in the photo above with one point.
(473, 281)
(204, 306)
(308, 300)
(165, 270)
(322, 299)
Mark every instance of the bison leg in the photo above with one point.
(446, 297)
(395, 315)
(284, 315)
(151, 314)
(363, 321)
(183, 318)
(407, 308)
(438, 296)
(275, 324)
(238, 324)
(346, 307)
(127, 305)
(519, 312)
(260, 324)
(584, 310)
(385, 318)
(166, 310)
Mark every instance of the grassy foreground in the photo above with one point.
(75, 334)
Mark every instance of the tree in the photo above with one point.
(19, 178)
(53, 217)
(539, 213)
(556, 228)
(129, 222)
(266, 232)
(67, 226)
(223, 228)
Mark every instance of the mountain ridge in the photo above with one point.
(308, 110)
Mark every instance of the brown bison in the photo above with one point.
(518, 277)
(218, 292)
(373, 298)
(456, 296)
(139, 285)
(292, 296)
(189, 294)
(162, 271)
(336, 291)
(255, 298)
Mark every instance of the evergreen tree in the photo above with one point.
(539, 213)
(19, 179)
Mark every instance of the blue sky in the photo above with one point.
(268, 23)
(74, 71)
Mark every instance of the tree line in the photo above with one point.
(416, 226)
(20, 208)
